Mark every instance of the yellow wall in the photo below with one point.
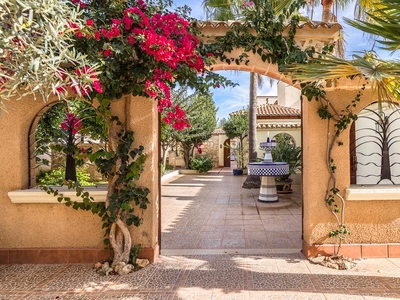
(55, 225)
(368, 221)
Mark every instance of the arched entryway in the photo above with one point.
(213, 214)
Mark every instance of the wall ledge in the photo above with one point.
(66, 255)
(355, 251)
(36, 195)
(372, 192)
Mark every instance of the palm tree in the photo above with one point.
(225, 10)
(383, 75)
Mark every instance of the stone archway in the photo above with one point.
(308, 36)
(15, 128)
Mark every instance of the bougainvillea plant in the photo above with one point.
(144, 50)
(104, 50)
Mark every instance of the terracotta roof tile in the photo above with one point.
(273, 110)
(218, 131)
(231, 24)
(278, 125)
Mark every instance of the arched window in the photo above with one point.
(375, 146)
(50, 147)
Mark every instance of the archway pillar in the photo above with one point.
(373, 224)
(141, 116)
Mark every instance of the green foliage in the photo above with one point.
(125, 165)
(341, 232)
(164, 168)
(56, 177)
(201, 112)
(35, 40)
(201, 163)
(269, 42)
(287, 151)
(134, 254)
(48, 131)
(126, 199)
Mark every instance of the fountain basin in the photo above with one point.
(268, 168)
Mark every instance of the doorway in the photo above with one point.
(227, 154)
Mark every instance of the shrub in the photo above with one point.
(57, 176)
(202, 163)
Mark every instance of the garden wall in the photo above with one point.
(52, 232)
(373, 223)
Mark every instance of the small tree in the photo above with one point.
(201, 113)
(238, 127)
(287, 151)
(63, 127)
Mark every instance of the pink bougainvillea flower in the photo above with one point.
(108, 52)
(71, 123)
(90, 23)
(97, 36)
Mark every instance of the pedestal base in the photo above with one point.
(268, 190)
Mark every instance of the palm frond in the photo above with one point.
(383, 22)
(384, 75)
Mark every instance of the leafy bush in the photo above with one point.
(165, 168)
(202, 163)
(287, 151)
(57, 176)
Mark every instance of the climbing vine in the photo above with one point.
(262, 32)
(342, 119)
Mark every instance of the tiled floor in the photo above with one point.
(213, 214)
(217, 243)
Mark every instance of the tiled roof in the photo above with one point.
(218, 131)
(231, 24)
(273, 110)
(278, 125)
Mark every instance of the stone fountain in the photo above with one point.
(268, 170)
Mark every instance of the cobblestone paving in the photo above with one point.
(217, 243)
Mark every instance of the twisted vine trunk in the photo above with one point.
(121, 242)
(120, 237)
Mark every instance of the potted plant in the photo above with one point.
(286, 151)
(240, 153)
(237, 127)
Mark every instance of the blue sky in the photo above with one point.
(231, 99)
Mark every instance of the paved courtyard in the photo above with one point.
(218, 242)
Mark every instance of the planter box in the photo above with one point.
(190, 172)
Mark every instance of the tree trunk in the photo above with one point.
(121, 242)
(120, 237)
(253, 118)
(165, 155)
(70, 168)
(252, 181)
(326, 10)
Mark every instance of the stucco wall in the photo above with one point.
(55, 225)
(263, 133)
(368, 221)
